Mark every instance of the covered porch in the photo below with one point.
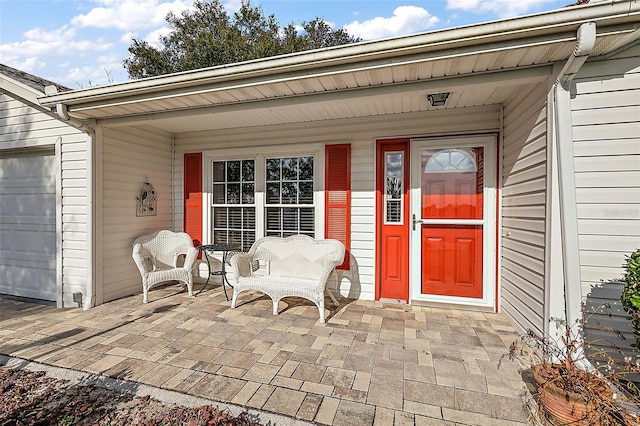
(177, 131)
(372, 363)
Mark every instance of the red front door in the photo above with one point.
(392, 219)
(448, 220)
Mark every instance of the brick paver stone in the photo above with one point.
(245, 394)
(262, 373)
(285, 401)
(309, 407)
(354, 414)
(385, 396)
(383, 417)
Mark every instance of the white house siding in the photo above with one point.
(523, 214)
(126, 157)
(361, 134)
(606, 132)
(30, 130)
(73, 187)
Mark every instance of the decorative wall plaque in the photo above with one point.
(146, 201)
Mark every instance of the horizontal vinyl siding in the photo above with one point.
(607, 163)
(523, 208)
(24, 127)
(74, 216)
(128, 157)
(607, 325)
(606, 133)
(361, 134)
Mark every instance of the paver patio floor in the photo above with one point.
(372, 363)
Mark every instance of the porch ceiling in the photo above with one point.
(465, 92)
(479, 65)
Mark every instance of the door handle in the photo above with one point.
(414, 220)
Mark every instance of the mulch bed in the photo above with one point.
(33, 398)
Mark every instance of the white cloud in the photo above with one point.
(502, 8)
(127, 37)
(59, 42)
(232, 6)
(405, 20)
(130, 15)
(31, 64)
(153, 37)
(103, 70)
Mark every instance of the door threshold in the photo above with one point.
(396, 301)
(460, 306)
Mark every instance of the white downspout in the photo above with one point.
(585, 42)
(89, 300)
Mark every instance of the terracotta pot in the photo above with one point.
(565, 407)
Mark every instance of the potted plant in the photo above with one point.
(570, 389)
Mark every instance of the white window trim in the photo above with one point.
(274, 151)
(402, 193)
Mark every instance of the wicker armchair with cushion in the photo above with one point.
(159, 259)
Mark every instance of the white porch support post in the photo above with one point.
(566, 173)
(91, 218)
(554, 306)
(89, 299)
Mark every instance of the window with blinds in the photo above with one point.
(289, 201)
(233, 208)
(280, 188)
(393, 188)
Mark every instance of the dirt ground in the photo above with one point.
(33, 398)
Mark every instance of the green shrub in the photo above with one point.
(631, 294)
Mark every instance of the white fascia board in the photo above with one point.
(19, 90)
(515, 30)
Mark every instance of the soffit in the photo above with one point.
(362, 78)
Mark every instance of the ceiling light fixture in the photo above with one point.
(438, 99)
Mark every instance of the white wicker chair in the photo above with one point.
(294, 266)
(157, 256)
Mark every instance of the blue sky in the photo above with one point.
(81, 43)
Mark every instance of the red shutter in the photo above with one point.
(337, 191)
(193, 196)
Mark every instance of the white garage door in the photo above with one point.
(28, 225)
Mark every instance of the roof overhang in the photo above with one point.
(15, 88)
(363, 79)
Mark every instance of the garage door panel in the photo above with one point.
(27, 222)
(33, 205)
(35, 244)
(28, 226)
(30, 283)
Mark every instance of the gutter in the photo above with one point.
(585, 42)
(562, 20)
(628, 39)
(89, 300)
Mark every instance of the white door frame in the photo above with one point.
(488, 142)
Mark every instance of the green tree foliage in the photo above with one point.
(631, 293)
(207, 36)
